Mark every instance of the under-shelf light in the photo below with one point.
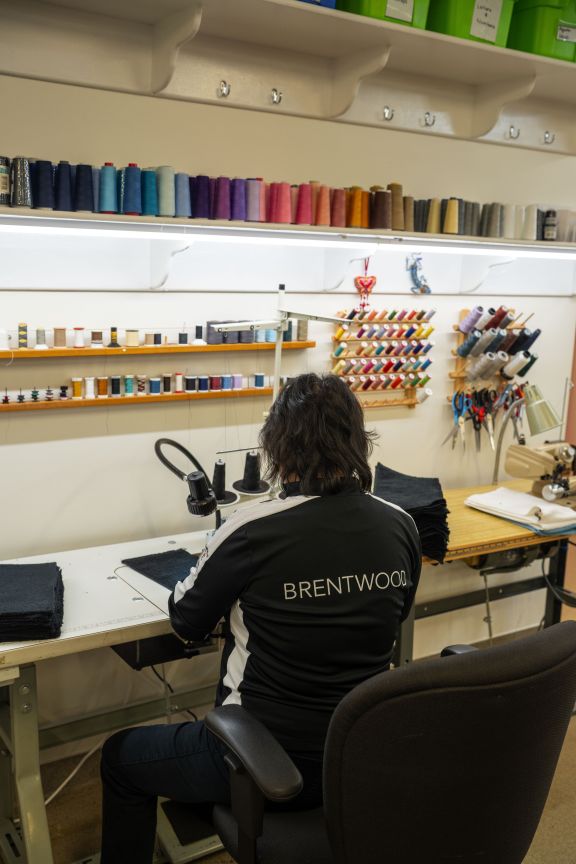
(292, 237)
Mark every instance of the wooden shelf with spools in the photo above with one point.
(124, 351)
(130, 401)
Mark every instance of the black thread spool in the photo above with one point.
(224, 497)
(251, 483)
(84, 189)
(43, 193)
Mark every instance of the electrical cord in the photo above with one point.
(167, 684)
(74, 772)
(563, 595)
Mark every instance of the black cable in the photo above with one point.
(172, 691)
(568, 598)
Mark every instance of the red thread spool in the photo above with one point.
(215, 382)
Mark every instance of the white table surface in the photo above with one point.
(101, 606)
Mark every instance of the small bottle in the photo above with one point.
(551, 225)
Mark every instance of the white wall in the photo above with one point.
(79, 478)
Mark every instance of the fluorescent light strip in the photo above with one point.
(298, 238)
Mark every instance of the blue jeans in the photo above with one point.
(182, 762)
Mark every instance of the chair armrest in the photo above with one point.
(263, 758)
(451, 650)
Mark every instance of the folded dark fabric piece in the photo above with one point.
(31, 602)
(165, 568)
(423, 499)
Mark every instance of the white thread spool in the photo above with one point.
(79, 337)
(518, 362)
(89, 391)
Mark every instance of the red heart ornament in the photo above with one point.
(365, 284)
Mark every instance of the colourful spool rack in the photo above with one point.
(372, 337)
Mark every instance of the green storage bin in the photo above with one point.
(479, 20)
(535, 28)
(396, 11)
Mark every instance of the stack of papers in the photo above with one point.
(423, 499)
(31, 602)
(527, 510)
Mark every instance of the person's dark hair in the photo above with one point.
(315, 432)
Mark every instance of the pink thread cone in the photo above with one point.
(304, 205)
(294, 201)
(272, 202)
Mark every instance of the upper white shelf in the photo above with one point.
(290, 57)
(50, 223)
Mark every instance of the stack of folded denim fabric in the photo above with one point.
(165, 568)
(31, 602)
(423, 499)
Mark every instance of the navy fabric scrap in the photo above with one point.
(423, 499)
(31, 602)
(165, 568)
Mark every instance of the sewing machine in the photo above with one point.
(552, 464)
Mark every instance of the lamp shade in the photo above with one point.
(540, 414)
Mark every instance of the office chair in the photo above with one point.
(444, 761)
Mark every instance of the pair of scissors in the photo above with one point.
(461, 405)
(489, 399)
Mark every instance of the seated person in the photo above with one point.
(312, 587)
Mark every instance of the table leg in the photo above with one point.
(6, 783)
(26, 752)
(553, 612)
(404, 648)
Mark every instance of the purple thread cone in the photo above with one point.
(222, 203)
(238, 194)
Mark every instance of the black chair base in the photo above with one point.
(288, 836)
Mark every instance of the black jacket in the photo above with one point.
(313, 590)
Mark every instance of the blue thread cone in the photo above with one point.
(43, 189)
(132, 203)
(96, 188)
(108, 198)
(63, 186)
(166, 191)
(149, 193)
(83, 189)
(183, 205)
(120, 188)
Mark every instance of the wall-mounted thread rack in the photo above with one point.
(130, 401)
(460, 375)
(124, 351)
(384, 354)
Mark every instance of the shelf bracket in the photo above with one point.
(348, 73)
(168, 36)
(491, 99)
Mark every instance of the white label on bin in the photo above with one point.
(486, 19)
(402, 10)
(566, 32)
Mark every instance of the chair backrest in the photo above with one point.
(450, 761)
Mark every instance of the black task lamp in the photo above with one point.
(201, 498)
